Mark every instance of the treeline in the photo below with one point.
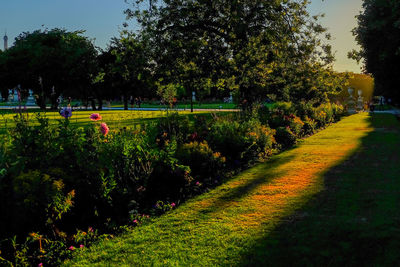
(377, 34)
(254, 49)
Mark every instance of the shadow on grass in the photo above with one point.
(355, 221)
(263, 174)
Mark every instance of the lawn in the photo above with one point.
(114, 118)
(332, 199)
(185, 105)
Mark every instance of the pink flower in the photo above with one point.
(95, 117)
(135, 221)
(72, 248)
(81, 246)
(104, 129)
(40, 264)
(90, 229)
(197, 183)
(173, 204)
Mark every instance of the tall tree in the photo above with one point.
(253, 47)
(128, 67)
(378, 34)
(42, 60)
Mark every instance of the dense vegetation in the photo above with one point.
(378, 35)
(313, 205)
(256, 50)
(59, 178)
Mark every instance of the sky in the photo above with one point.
(102, 20)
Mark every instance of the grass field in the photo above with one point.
(186, 105)
(331, 200)
(113, 118)
(196, 105)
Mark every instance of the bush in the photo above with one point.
(203, 162)
(228, 137)
(260, 139)
(309, 126)
(285, 137)
(173, 126)
(245, 141)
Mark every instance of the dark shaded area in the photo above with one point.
(355, 221)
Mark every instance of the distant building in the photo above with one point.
(5, 38)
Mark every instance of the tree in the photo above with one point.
(127, 66)
(378, 34)
(253, 47)
(42, 60)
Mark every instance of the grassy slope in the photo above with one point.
(253, 219)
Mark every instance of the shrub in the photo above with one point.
(169, 180)
(203, 162)
(309, 126)
(175, 126)
(228, 137)
(285, 137)
(243, 141)
(260, 139)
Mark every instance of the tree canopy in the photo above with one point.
(378, 34)
(42, 60)
(256, 48)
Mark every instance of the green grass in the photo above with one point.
(333, 199)
(114, 118)
(186, 105)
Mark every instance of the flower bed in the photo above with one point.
(59, 178)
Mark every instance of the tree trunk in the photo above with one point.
(93, 103)
(125, 102)
(191, 102)
(100, 103)
(41, 101)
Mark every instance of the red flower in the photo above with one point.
(95, 117)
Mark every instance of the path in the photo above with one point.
(243, 221)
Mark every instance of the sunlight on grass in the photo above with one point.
(114, 118)
(219, 227)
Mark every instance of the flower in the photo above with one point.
(197, 183)
(95, 117)
(40, 264)
(104, 129)
(66, 112)
(135, 221)
(90, 229)
(173, 204)
(81, 246)
(72, 248)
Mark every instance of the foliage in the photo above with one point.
(168, 93)
(127, 68)
(236, 223)
(285, 137)
(202, 160)
(211, 46)
(378, 35)
(42, 60)
(58, 178)
(241, 141)
(172, 127)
